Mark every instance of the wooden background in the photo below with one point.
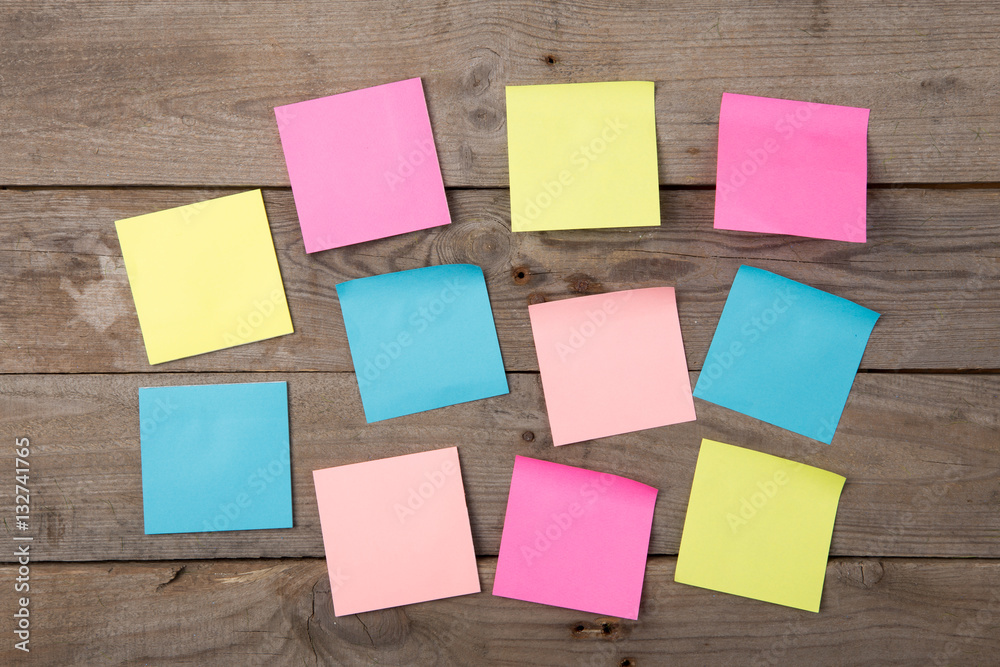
(112, 109)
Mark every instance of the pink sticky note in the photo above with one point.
(396, 531)
(574, 538)
(788, 167)
(611, 363)
(362, 165)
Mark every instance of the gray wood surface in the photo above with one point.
(931, 267)
(177, 93)
(919, 452)
(278, 612)
(114, 109)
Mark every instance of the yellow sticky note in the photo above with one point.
(204, 276)
(758, 526)
(582, 156)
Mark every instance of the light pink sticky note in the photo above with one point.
(396, 531)
(362, 165)
(788, 167)
(611, 363)
(575, 538)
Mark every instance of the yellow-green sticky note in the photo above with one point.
(758, 526)
(204, 276)
(582, 156)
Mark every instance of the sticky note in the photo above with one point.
(362, 165)
(396, 531)
(788, 167)
(611, 363)
(785, 353)
(204, 277)
(422, 339)
(582, 156)
(758, 526)
(574, 538)
(215, 457)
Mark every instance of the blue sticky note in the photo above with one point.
(215, 457)
(785, 353)
(422, 339)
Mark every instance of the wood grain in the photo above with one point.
(177, 93)
(931, 267)
(920, 453)
(117, 109)
(279, 612)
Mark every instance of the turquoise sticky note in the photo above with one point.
(785, 353)
(422, 339)
(215, 457)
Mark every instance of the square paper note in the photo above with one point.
(758, 526)
(396, 531)
(215, 457)
(789, 167)
(204, 277)
(422, 339)
(785, 353)
(582, 156)
(611, 363)
(574, 538)
(362, 165)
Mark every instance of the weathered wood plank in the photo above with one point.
(921, 454)
(171, 93)
(180, 94)
(930, 267)
(278, 612)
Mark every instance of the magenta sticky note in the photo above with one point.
(611, 363)
(574, 538)
(788, 167)
(362, 165)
